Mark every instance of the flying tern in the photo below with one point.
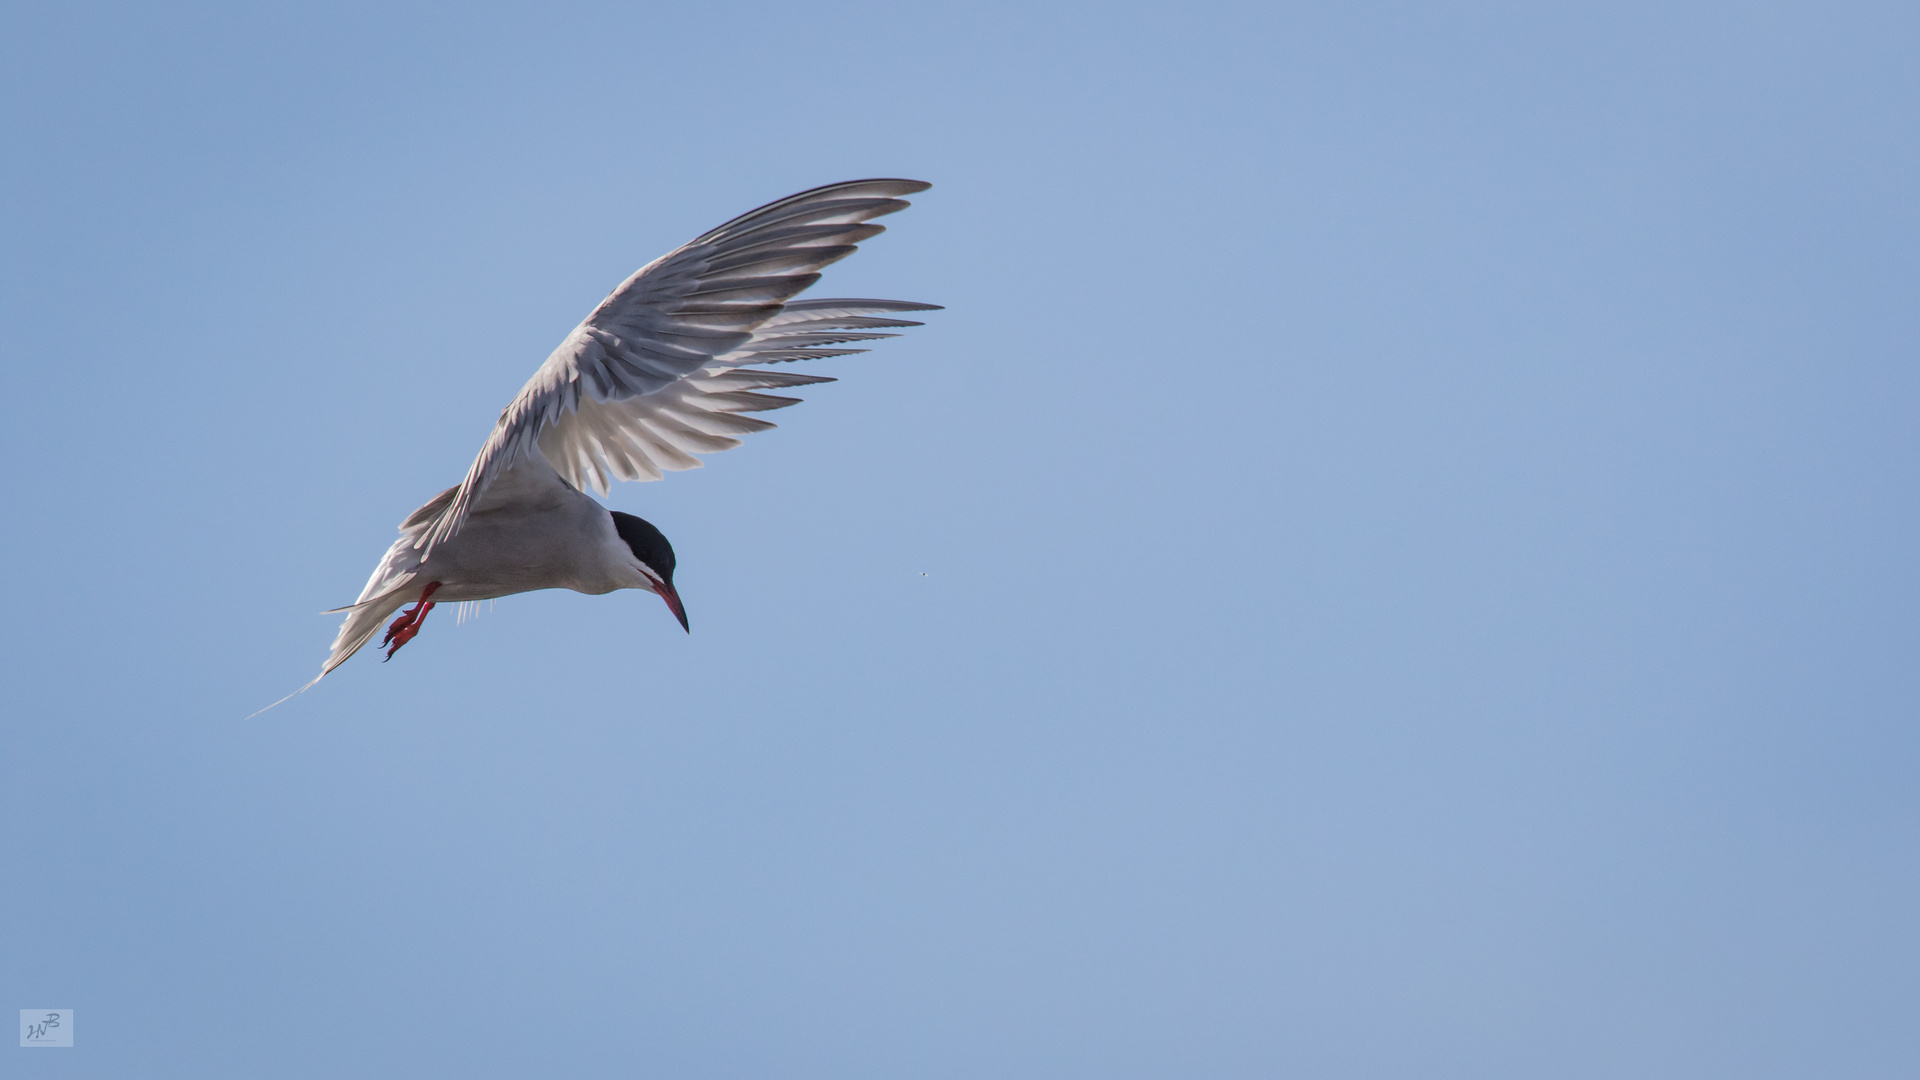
(665, 368)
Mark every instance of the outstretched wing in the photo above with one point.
(638, 438)
(655, 375)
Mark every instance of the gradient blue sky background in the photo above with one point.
(1416, 503)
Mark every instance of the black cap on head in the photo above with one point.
(647, 542)
(651, 547)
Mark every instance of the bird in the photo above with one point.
(666, 367)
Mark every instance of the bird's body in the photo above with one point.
(658, 372)
(539, 533)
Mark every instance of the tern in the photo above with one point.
(665, 368)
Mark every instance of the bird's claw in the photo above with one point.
(408, 624)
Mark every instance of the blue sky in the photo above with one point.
(1397, 559)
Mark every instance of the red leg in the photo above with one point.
(409, 622)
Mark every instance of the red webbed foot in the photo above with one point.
(409, 622)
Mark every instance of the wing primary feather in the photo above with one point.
(887, 188)
(745, 378)
(769, 261)
(848, 303)
(748, 401)
(783, 356)
(752, 289)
